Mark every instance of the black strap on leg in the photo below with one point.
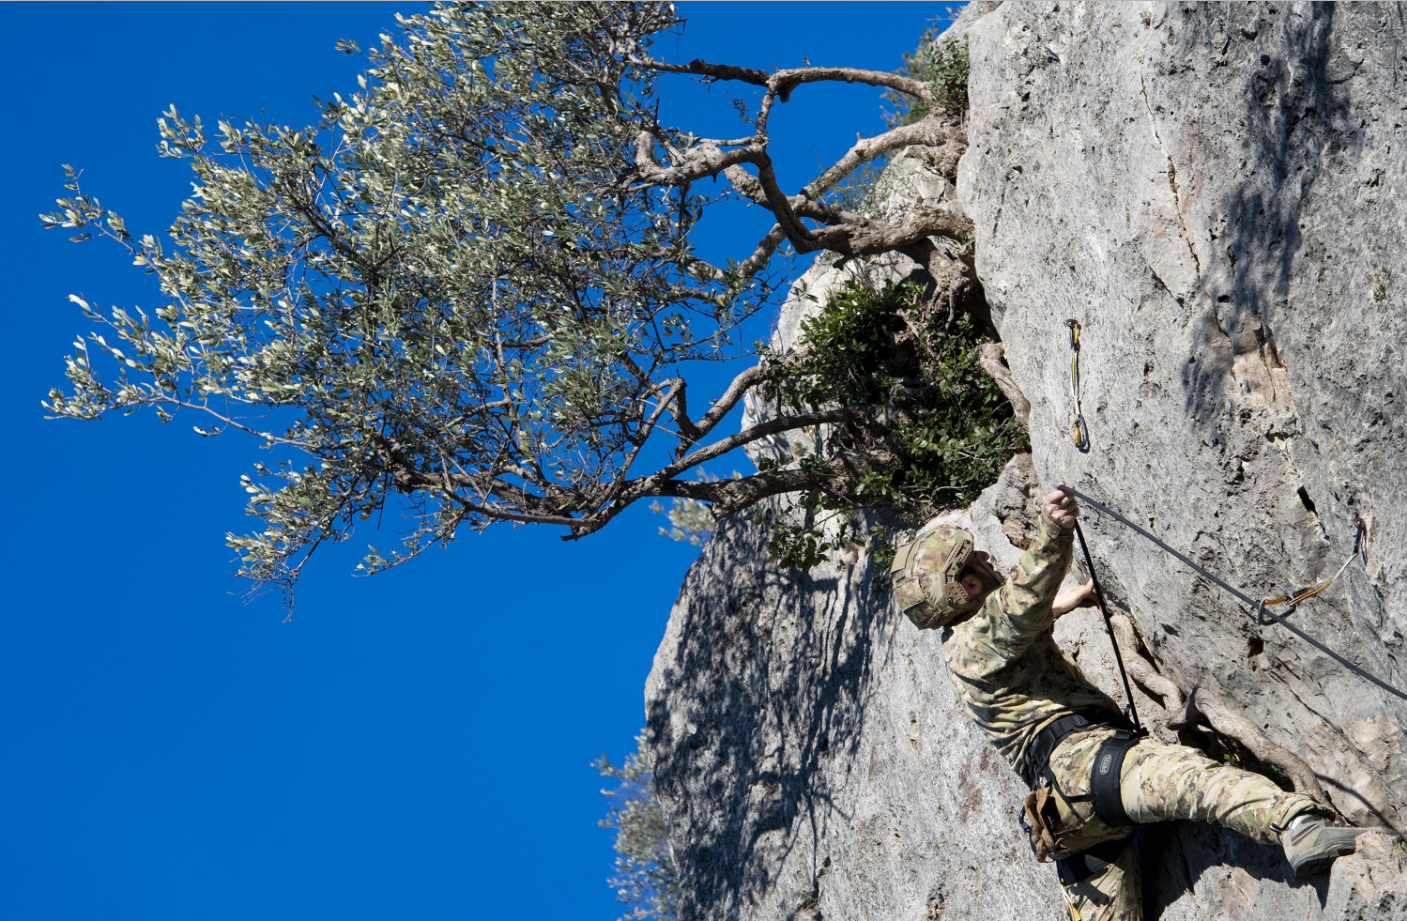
(1044, 742)
(1104, 778)
(1079, 867)
(1053, 733)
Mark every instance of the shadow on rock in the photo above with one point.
(766, 680)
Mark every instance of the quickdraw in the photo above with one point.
(1078, 429)
(1291, 599)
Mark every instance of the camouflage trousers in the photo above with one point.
(1159, 782)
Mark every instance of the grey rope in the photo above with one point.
(1130, 710)
(1257, 607)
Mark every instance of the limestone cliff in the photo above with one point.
(1216, 192)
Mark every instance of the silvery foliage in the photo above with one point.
(690, 521)
(470, 284)
(645, 878)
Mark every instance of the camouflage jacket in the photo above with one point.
(1003, 661)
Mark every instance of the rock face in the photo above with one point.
(1216, 192)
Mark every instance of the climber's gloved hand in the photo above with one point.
(1062, 509)
(1077, 596)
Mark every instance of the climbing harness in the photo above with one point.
(1054, 732)
(1104, 779)
(1257, 608)
(1078, 429)
(1038, 815)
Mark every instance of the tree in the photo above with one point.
(645, 878)
(471, 284)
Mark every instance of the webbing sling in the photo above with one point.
(1257, 608)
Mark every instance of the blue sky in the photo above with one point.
(417, 744)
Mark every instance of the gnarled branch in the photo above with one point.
(1205, 707)
(992, 360)
(782, 82)
(728, 497)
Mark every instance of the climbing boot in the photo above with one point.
(1312, 842)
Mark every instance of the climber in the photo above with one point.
(1092, 778)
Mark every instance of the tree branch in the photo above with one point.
(991, 359)
(744, 270)
(729, 497)
(662, 482)
(780, 205)
(782, 82)
(698, 162)
(761, 430)
(870, 238)
(688, 431)
(1141, 669)
(933, 131)
(852, 234)
(741, 384)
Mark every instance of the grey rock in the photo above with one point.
(1210, 194)
(812, 758)
(1217, 194)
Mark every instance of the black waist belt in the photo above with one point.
(1051, 734)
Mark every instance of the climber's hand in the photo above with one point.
(1077, 596)
(1062, 509)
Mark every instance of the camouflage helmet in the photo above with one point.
(926, 575)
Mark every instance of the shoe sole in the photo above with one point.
(1319, 864)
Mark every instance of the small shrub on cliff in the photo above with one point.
(954, 431)
(644, 876)
(943, 435)
(944, 66)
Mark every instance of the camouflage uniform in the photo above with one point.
(1013, 680)
(1158, 782)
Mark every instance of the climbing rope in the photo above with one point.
(1258, 608)
(1078, 429)
(1130, 710)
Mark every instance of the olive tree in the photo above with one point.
(645, 878)
(471, 283)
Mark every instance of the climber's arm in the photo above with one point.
(1076, 596)
(1024, 605)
